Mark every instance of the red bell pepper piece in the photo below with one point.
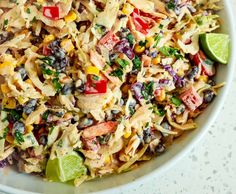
(140, 24)
(109, 40)
(191, 99)
(51, 12)
(96, 87)
(207, 65)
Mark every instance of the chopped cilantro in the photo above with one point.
(137, 63)
(13, 114)
(142, 43)
(169, 51)
(5, 133)
(130, 38)
(19, 137)
(147, 90)
(171, 5)
(122, 62)
(28, 10)
(100, 28)
(157, 39)
(161, 26)
(159, 111)
(46, 71)
(33, 20)
(118, 73)
(56, 84)
(5, 23)
(45, 115)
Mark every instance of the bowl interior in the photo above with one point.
(14, 182)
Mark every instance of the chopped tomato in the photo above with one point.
(99, 129)
(140, 24)
(51, 12)
(96, 87)
(109, 40)
(191, 99)
(207, 65)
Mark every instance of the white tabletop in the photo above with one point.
(210, 168)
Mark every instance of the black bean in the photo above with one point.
(193, 73)
(147, 136)
(22, 72)
(208, 96)
(85, 122)
(19, 127)
(211, 82)
(166, 125)
(30, 106)
(160, 149)
(67, 89)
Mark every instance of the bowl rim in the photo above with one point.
(167, 165)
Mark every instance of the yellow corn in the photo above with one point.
(67, 45)
(49, 38)
(24, 115)
(5, 89)
(92, 70)
(70, 17)
(127, 134)
(162, 96)
(156, 60)
(7, 68)
(9, 103)
(139, 49)
(22, 100)
(29, 128)
(107, 159)
(203, 78)
(40, 1)
(29, 81)
(150, 42)
(127, 9)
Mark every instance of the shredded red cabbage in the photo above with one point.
(136, 88)
(124, 47)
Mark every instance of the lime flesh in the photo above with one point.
(65, 168)
(216, 46)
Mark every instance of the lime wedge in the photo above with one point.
(65, 168)
(216, 46)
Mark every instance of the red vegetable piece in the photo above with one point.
(96, 87)
(91, 144)
(46, 50)
(208, 67)
(51, 12)
(99, 129)
(140, 24)
(109, 40)
(191, 99)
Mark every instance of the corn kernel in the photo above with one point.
(70, 17)
(67, 45)
(24, 115)
(10, 139)
(156, 60)
(9, 103)
(203, 78)
(5, 89)
(29, 128)
(49, 38)
(127, 9)
(41, 1)
(161, 96)
(107, 159)
(7, 68)
(150, 42)
(92, 70)
(29, 81)
(127, 134)
(139, 49)
(22, 100)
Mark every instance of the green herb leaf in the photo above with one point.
(118, 73)
(147, 90)
(137, 63)
(157, 39)
(130, 38)
(169, 51)
(28, 10)
(122, 62)
(5, 133)
(159, 111)
(171, 5)
(13, 114)
(142, 43)
(46, 71)
(5, 23)
(176, 101)
(19, 137)
(56, 84)
(45, 115)
(100, 28)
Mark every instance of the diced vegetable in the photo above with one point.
(92, 144)
(96, 87)
(51, 12)
(92, 70)
(140, 24)
(99, 129)
(207, 65)
(191, 99)
(70, 17)
(109, 40)
(46, 50)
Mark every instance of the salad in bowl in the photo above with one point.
(91, 88)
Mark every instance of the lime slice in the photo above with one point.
(65, 168)
(216, 46)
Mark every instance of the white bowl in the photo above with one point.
(14, 182)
